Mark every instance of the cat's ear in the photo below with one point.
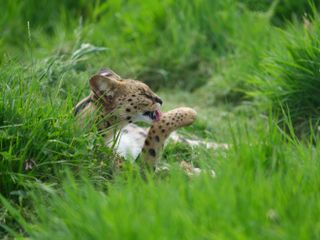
(109, 73)
(106, 81)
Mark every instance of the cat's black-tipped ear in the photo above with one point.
(106, 81)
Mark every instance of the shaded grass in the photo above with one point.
(285, 11)
(290, 76)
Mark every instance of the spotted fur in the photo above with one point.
(159, 132)
(114, 101)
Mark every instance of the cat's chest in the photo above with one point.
(130, 141)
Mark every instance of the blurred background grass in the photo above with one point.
(251, 70)
(165, 43)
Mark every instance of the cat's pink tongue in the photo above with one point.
(158, 115)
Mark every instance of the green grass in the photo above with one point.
(266, 186)
(223, 58)
(284, 10)
(289, 78)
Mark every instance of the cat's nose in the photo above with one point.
(158, 100)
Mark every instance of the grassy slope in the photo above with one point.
(266, 185)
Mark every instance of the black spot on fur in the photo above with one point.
(147, 142)
(152, 152)
(128, 110)
(162, 130)
(157, 138)
(128, 118)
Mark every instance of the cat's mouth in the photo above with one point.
(153, 115)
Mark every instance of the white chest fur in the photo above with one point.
(131, 141)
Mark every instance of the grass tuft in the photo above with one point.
(290, 76)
